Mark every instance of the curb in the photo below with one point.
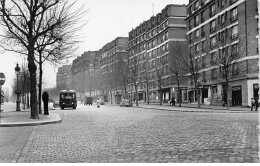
(55, 119)
(200, 111)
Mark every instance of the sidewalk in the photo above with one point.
(11, 118)
(194, 108)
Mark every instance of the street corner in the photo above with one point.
(18, 120)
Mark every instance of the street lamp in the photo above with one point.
(17, 72)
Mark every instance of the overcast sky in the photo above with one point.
(106, 20)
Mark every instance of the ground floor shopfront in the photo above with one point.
(241, 93)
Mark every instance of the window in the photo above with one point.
(190, 9)
(235, 70)
(213, 58)
(202, 16)
(197, 48)
(196, 21)
(190, 24)
(222, 3)
(223, 18)
(213, 26)
(233, 15)
(213, 74)
(196, 5)
(203, 46)
(234, 32)
(234, 49)
(166, 35)
(203, 31)
(213, 42)
(197, 33)
(190, 36)
(212, 10)
(203, 61)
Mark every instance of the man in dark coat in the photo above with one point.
(45, 98)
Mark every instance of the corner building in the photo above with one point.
(151, 43)
(112, 56)
(241, 17)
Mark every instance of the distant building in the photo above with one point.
(85, 74)
(113, 56)
(150, 45)
(241, 19)
(63, 78)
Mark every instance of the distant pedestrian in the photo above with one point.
(98, 102)
(252, 104)
(45, 98)
(173, 101)
(256, 104)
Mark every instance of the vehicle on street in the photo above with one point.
(56, 104)
(88, 101)
(68, 98)
(125, 103)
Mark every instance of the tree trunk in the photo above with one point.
(136, 94)
(147, 95)
(228, 94)
(40, 87)
(197, 93)
(160, 93)
(33, 90)
(179, 93)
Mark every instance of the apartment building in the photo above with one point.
(63, 78)
(85, 71)
(207, 22)
(112, 63)
(150, 47)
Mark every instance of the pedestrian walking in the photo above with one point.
(98, 102)
(173, 101)
(45, 98)
(252, 104)
(256, 104)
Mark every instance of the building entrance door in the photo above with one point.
(256, 89)
(236, 96)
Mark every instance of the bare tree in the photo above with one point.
(176, 66)
(133, 73)
(193, 62)
(25, 22)
(228, 54)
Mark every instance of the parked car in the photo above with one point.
(125, 103)
(56, 104)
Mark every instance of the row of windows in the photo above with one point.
(160, 50)
(222, 37)
(200, 18)
(149, 35)
(154, 84)
(196, 5)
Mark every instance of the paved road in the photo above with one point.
(114, 134)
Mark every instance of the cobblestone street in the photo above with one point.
(115, 134)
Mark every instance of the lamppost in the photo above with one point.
(17, 72)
